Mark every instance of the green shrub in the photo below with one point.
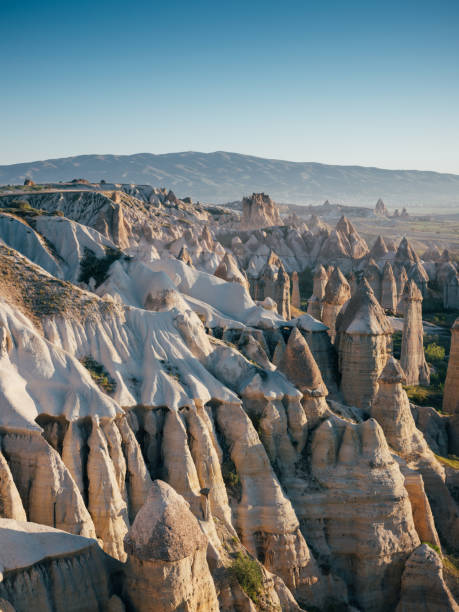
(249, 575)
(231, 478)
(434, 547)
(425, 396)
(21, 205)
(451, 460)
(397, 344)
(92, 267)
(434, 352)
(99, 375)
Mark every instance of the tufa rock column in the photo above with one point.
(296, 299)
(337, 293)
(412, 357)
(388, 289)
(451, 393)
(282, 293)
(363, 341)
(167, 568)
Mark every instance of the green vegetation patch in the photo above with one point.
(450, 562)
(249, 575)
(93, 267)
(99, 374)
(451, 460)
(425, 396)
(231, 478)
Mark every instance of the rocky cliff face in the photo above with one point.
(182, 446)
(259, 211)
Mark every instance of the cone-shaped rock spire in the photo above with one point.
(364, 335)
(412, 357)
(337, 293)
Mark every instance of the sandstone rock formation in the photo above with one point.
(379, 250)
(259, 211)
(300, 367)
(50, 570)
(388, 289)
(380, 209)
(392, 410)
(295, 298)
(337, 293)
(282, 293)
(423, 585)
(363, 341)
(451, 394)
(315, 301)
(412, 357)
(372, 273)
(229, 271)
(349, 462)
(166, 552)
(157, 365)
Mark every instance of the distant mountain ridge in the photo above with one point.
(221, 177)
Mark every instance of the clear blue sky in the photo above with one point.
(358, 82)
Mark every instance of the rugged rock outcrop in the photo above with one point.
(412, 357)
(295, 299)
(451, 393)
(337, 293)
(166, 550)
(388, 289)
(52, 571)
(315, 301)
(373, 275)
(48, 492)
(380, 209)
(259, 211)
(298, 364)
(229, 270)
(379, 249)
(357, 485)
(423, 585)
(364, 338)
(392, 410)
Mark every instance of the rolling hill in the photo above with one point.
(221, 177)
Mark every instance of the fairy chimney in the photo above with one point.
(388, 289)
(363, 342)
(282, 293)
(451, 393)
(412, 358)
(300, 367)
(337, 293)
(296, 300)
